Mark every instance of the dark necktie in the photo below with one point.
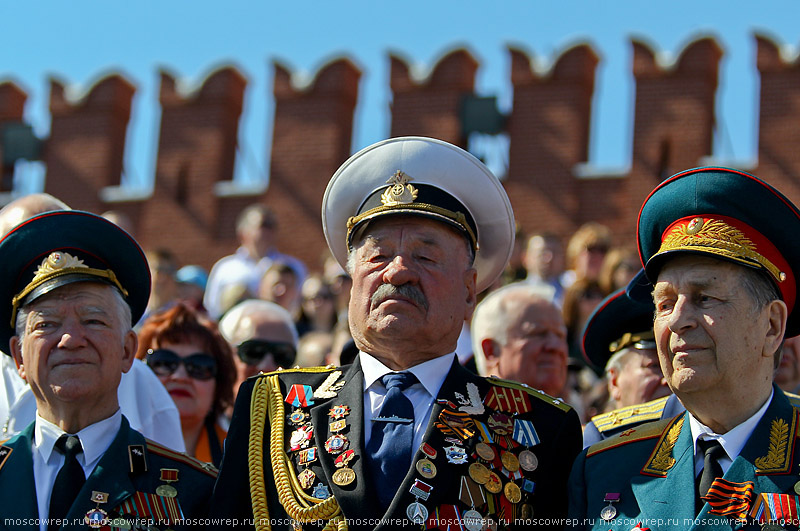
(712, 452)
(389, 448)
(69, 480)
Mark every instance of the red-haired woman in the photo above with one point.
(195, 364)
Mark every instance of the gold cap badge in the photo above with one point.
(59, 264)
(399, 191)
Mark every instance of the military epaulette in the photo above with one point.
(297, 370)
(163, 451)
(541, 395)
(630, 415)
(794, 399)
(648, 430)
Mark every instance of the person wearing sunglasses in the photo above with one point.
(263, 335)
(193, 361)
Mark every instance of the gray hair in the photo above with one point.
(123, 308)
(490, 320)
(617, 360)
(230, 324)
(762, 291)
(760, 288)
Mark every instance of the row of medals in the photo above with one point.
(484, 454)
(481, 471)
(97, 517)
(337, 444)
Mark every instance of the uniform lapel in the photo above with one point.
(671, 496)
(767, 458)
(354, 499)
(110, 476)
(16, 477)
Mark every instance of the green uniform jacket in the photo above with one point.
(652, 468)
(120, 473)
(556, 424)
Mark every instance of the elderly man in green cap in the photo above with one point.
(719, 248)
(404, 436)
(72, 286)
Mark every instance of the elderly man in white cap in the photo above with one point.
(403, 436)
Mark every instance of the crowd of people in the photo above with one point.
(439, 364)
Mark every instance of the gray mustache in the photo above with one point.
(407, 291)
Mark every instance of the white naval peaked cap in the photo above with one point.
(421, 177)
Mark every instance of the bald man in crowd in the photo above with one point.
(518, 333)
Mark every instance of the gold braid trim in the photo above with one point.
(458, 217)
(267, 401)
(255, 457)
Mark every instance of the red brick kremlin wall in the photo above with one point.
(191, 212)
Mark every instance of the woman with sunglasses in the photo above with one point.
(195, 364)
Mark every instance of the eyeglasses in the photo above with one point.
(253, 351)
(165, 362)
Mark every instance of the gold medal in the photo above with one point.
(510, 461)
(494, 484)
(512, 492)
(426, 468)
(526, 511)
(479, 473)
(484, 451)
(168, 475)
(344, 476)
(298, 417)
(797, 488)
(306, 478)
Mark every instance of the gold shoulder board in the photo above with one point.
(648, 430)
(630, 415)
(295, 370)
(541, 395)
(163, 451)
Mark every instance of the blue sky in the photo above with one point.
(80, 41)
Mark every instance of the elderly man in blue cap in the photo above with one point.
(404, 436)
(719, 247)
(72, 286)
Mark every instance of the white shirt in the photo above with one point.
(732, 442)
(95, 440)
(431, 375)
(241, 268)
(142, 399)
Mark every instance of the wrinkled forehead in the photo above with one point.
(694, 269)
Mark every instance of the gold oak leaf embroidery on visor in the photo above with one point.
(717, 237)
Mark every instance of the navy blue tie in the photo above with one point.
(389, 448)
